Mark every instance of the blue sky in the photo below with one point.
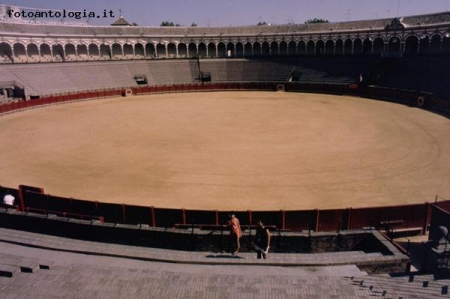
(241, 12)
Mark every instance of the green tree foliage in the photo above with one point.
(261, 23)
(316, 21)
(194, 24)
(169, 24)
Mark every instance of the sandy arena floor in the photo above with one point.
(230, 150)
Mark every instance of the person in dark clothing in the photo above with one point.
(262, 240)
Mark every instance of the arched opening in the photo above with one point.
(222, 50)
(274, 48)
(320, 47)
(58, 52)
(367, 46)
(310, 46)
(128, 51)
(19, 52)
(357, 47)
(394, 45)
(116, 51)
(211, 50)
(172, 50)
(301, 48)
(446, 43)
(202, 50)
(329, 47)
(93, 52)
(139, 51)
(283, 49)
(82, 52)
(239, 49)
(424, 45)
(182, 50)
(105, 52)
(150, 50)
(161, 50)
(348, 47)
(192, 50)
(46, 54)
(6, 53)
(378, 45)
(257, 49)
(33, 52)
(292, 48)
(411, 44)
(435, 45)
(71, 53)
(230, 50)
(248, 49)
(339, 48)
(265, 48)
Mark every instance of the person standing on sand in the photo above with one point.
(235, 232)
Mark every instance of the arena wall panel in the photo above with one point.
(201, 217)
(301, 220)
(412, 215)
(83, 207)
(333, 220)
(403, 216)
(35, 202)
(369, 217)
(112, 213)
(269, 218)
(138, 215)
(58, 204)
(445, 205)
(168, 217)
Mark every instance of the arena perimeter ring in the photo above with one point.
(230, 150)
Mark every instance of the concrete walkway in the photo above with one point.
(60, 267)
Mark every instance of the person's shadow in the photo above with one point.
(223, 256)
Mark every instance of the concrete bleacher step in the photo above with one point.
(7, 270)
(408, 286)
(24, 265)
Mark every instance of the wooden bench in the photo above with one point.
(405, 232)
(389, 224)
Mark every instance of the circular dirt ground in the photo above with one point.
(230, 151)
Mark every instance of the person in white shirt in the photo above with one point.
(8, 199)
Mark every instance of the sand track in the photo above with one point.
(230, 150)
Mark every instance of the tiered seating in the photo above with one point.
(412, 73)
(43, 79)
(171, 72)
(419, 73)
(139, 68)
(408, 286)
(217, 68)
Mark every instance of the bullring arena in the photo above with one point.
(231, 150)
(125, 149)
